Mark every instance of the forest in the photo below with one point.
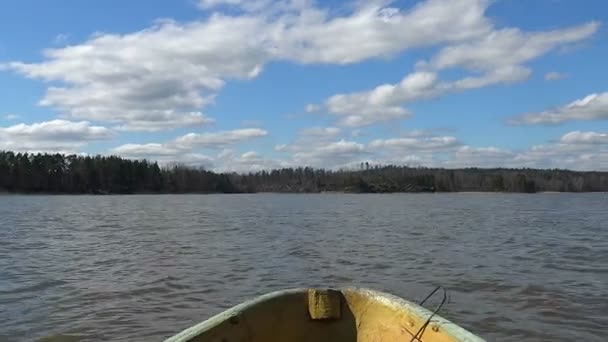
(76, 174)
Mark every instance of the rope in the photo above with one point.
(420, 332)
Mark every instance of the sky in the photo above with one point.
(246, 85)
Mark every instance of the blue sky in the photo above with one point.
(246, 85)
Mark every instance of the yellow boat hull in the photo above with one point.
(307, 315)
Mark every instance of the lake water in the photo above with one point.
(136, 268)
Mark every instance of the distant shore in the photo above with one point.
(24, 173)
(8, 194)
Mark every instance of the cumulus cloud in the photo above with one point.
(428, 143)
(166, 76)
(226, 160)
(164, 154)
(575, 150)
(564, 155)
(161, 77)
(375, 29)
(414, 148)
(218, 139)
(507, 47)
(325, 151)
(385, 102)
(321, 147)
(154, 79)
(146, 150)
(502, 75)
(51, 136)
(578, 137)
(487, 157)
(186, 149)
(332, 155)
(495, 57)
(382, 103)
(583, 151)
(250, 161)
(320, 132)
(591, 107)
(58, 130)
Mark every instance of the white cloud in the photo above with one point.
(423, 148)
(145, 150)
(385, 102)
(569, 153)
(413, 144)
(185, 149)
(51, 136)
(190, 142)
(320, 132)
(321, 147)
(485, 157)
(341, 147)
(218, 139)
(250, 161)
(161, 77)
(501, 75)
(507, 47)
(226, 160)
(11, 117)
(564, 155)
(575, 150)
(382, 103)
(61, 130)
(414, 148)
(496, 57)
(164, 77)
(375, 30)
(578, 137)
(332, 155)
(154, 79)
(591, 107)
(554, 76)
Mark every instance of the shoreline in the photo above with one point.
(8, 194)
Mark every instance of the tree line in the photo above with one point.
(392, 178)
(75, 174)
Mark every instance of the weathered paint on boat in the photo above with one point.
(306, 315)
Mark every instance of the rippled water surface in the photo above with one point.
(139, 268)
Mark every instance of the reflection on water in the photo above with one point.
(518, 267)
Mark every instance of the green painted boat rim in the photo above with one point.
(450, 328)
